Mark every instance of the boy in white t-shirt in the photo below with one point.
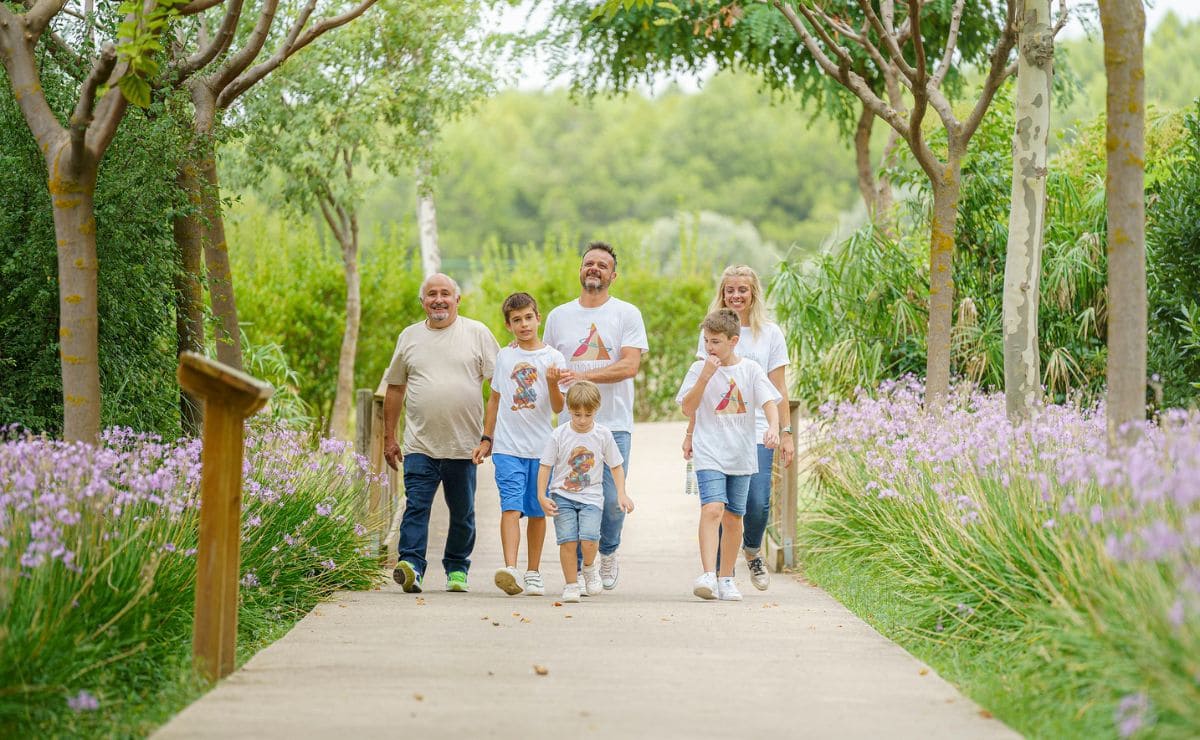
(524, 394)
(577, 453)
(721, 393)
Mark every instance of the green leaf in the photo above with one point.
(136, 90)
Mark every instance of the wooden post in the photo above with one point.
(791, 490)
(229, 397)
(363, 399)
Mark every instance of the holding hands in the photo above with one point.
(548, 505)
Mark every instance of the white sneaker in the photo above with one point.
(508, 580)
(706, 586)
(727, 590)
(591, 580)
(610, 571)
(533, 584)
(571, 593)
(759, 575)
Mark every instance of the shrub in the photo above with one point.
(97, 568)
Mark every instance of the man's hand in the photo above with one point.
(625, 503)
(548, 505)
(687, 446)
(392, 454)
(567, 376)
(482, 450)
(787, 446)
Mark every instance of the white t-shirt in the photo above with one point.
(768, 349)
(579, 461)
(443, 372)
(591, 338)
(523, 417)
(724, 438)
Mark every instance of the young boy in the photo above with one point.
(721, 393)
(578, 452)
(524, 393)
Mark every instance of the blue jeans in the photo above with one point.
(613, 519)
(718, 488)
(575, 521)
(422, 474)
(758, 503)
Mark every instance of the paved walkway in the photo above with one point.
(645, 660)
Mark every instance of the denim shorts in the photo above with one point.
(718, 488)
(575, 520)
(516, 477)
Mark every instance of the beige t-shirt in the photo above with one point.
(443, 370)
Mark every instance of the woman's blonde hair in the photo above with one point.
(758, 306)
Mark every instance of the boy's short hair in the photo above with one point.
(516, 302)
(723, 321)
(603, 247)
(583, 394)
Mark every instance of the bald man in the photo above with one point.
(436, 377)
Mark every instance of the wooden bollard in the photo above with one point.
(229, 397)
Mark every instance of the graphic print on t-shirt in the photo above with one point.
(731, 402)
(525, 396)
(581, 461)
(592, 348)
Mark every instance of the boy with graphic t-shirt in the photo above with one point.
(578, 453)
(524, 393)
(721, 393)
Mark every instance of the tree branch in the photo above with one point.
(38, 17)
(243, 58)
(215, 48)
(1064, 15)
(294, 44)
(85, 108)
(198, 6)
(951, 43)
(889, 40)
(69, 59)
(998, 70)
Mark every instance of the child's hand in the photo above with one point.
(625, 503)
(553, 374)
(771, 438)
(687, 447)
(482, 450)
(711, 363)
(548, 505)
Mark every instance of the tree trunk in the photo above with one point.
(941, 282)
(1023, 259)
(1124, 25)
(78, 266)
(431, 256)
(339, 422)
(876, 191)
(216, 261)
(189, 300)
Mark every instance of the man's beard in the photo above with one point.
(597, 284)
(436, 315)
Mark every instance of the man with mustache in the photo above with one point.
(436, 376)
(603, 339)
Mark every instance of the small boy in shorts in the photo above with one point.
(721, 393)
(516, 426)
(577, 453)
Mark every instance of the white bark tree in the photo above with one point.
(1023, 259)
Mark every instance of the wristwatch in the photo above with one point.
(486, 438)
(786, 430)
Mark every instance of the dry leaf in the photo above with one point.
(341, 606)
(924, 671)
(420, 601)
(516, 614)
(558, 603)
(541, 670)
(526, 620)
(495, 623)
(419, 697)
(985, 714)
(568, 616)
(484, 619)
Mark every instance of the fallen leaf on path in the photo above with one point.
(541, 670)
(665, 619)
(419, 697)
(985, 714)
(341, 606)
(924, 671)
(558, 603)
(516, 614)
(495, 623)
(568, 616)
(420, 601)
(526, 620)
(484, 619)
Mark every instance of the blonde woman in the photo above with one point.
(761, 342)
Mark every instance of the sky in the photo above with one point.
(532, 74)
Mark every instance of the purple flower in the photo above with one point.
(84, 701)
(250, 580)
(329, 564)
(1131, 714)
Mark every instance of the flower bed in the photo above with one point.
(1069, 576)
(97, 568)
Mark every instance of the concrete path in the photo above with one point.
(646, 660)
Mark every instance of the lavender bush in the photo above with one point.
(97, 565)
(1079, 567)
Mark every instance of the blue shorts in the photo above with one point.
(718, 488)
(516, 477)
(576, 521)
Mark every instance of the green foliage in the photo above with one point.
(135, 196)
(856, 315)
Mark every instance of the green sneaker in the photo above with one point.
(457, 581)
(407, 576)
